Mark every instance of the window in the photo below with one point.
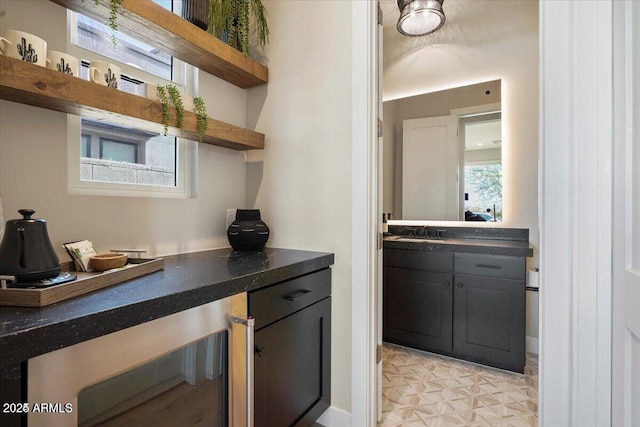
(118, 158)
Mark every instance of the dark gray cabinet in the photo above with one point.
(13, 390)
(465, 305)
(489, 321)
(292, 350)
(489, 309)
(418, 308)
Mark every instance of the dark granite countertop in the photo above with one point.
(518, 248)
(188, 280)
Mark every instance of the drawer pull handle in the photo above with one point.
(296, 295)
(446, 284)
(460, 284)
(495, 267)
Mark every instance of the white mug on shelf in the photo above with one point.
(24, 46)
(104, 74)
(63, 63)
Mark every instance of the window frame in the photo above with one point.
(185, 77)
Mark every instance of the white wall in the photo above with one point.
(303, 184)
(33, 156)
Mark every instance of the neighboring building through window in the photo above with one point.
(112, 153)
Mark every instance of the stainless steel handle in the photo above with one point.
(250, 323)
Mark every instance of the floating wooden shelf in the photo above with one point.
(163, 29)
(30, 84)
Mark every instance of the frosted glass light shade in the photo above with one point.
(420, 17)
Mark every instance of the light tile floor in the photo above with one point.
(424, 389)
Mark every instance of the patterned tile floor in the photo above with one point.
(424, 389)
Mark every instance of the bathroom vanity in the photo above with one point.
(458, 292)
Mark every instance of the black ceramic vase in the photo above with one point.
(248, 232)
(196, 12)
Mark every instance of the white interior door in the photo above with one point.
(626, 267)
(430, 168)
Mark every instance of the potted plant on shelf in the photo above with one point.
(229, 21)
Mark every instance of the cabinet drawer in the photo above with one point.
(419, 260)
(490, 265)
(278, 301)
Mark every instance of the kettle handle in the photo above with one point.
(23, 262)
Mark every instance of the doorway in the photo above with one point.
(448, 59)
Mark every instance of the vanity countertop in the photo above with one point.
(520, 248)
(187, 281)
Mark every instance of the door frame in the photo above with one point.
(364, 218)
(575, 212)
(575, 201)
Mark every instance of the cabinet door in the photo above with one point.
(13, 387)
(489, 321)
(417, 309)
(293, 368)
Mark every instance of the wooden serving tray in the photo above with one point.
(85, 283)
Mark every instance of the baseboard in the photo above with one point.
(334, 417)
(532, 345)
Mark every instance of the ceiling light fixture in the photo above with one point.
(420, 17)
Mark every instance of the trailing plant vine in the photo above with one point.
(114, 6)
(164, 99)
(201, 112)
(176, 99)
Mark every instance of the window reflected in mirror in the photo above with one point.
(482, 139)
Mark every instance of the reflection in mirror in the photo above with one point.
(446, 155)
(481, 138)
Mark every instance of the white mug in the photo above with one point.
(24, 46)
(63, 63)
(104, 74)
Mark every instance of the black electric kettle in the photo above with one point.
(26, 251)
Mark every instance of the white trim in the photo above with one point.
(334, 417)
(532, 345)
(575, 213)
(364, 206)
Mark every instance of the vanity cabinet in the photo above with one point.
(292, 350)
(418, 299)
(489, 309)
(465, 305)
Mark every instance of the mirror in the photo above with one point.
(446, 150)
